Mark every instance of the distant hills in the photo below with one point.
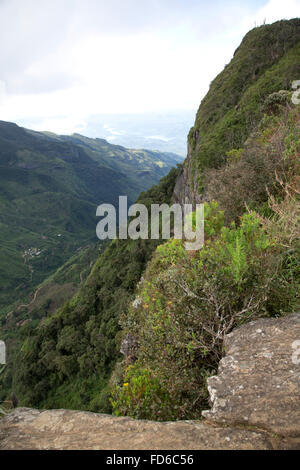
(50, 186)
(164, 131)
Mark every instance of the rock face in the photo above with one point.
(65, 429)
(186, 188)
(255, 405)
(128, 346)
(258, 381)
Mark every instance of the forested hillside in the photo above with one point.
(50, 187)
(266, 62)
(69, 355)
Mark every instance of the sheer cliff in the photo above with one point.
(267, 61)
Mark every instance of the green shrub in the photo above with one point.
(142, 396)
(189, 301)
(271, 154)
(275, 100)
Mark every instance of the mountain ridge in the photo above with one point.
(266, 61)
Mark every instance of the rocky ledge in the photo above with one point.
(255, 405)
(258, 381)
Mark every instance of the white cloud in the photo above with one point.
(61, 125)
(66, 60)
(275, 10)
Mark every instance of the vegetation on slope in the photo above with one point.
(244, 149)
(266, 61)
(67, 359)
(188, 301)
(53, 292)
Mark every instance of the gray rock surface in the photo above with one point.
(186, 187)
(25, 428)
(128, 346)
(258, 381)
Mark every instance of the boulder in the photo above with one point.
(258, 381)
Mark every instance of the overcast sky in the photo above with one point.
(64, 60)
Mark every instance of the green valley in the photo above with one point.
(50, 187)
